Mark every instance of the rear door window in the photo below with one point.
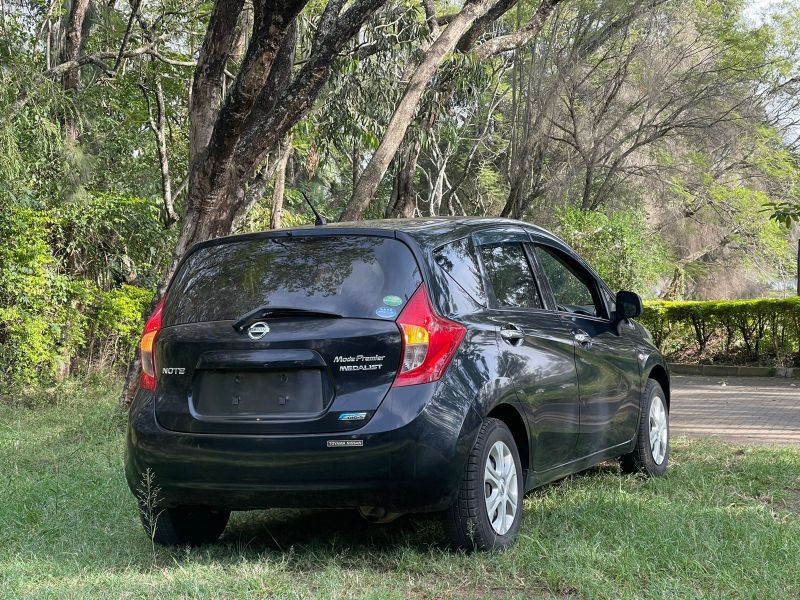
(349, 275)
(510, 275)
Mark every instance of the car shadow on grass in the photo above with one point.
(280, 530)
(299, 530)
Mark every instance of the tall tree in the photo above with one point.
(407, 107)
(232, 132)
(470, 19)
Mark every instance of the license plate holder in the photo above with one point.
(258, 394)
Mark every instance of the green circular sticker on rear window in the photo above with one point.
(392, 300)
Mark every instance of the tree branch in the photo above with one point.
(467, 41)
(158, 125)
(263, 131)
(134, 11)
(521, 36)
(98, 59)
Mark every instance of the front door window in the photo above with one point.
(574, 291)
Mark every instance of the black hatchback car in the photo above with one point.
(390, 366)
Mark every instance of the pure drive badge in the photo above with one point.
(352, 416)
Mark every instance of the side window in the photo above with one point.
(574, 290)
(510, 275)
(457, 259)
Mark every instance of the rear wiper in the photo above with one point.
(263, 312)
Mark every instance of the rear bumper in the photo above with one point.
(412, 459)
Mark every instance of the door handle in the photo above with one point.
(583, 338)
(512, 334)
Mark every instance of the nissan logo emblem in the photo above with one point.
(256, 331)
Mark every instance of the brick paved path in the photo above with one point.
(744, 410)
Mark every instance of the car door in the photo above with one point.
(536, 349)
(605, 357)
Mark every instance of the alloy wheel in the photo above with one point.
(658, 430)
(501, 490)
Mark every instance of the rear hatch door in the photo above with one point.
(282, 334)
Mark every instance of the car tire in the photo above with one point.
(650, 454)
(185, 525)
(468, 521)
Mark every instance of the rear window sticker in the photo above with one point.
(386, 312)
(392, 300)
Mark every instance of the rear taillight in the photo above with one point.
(151, 327)
(429, 341)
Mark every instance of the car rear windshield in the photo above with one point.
(349, 275)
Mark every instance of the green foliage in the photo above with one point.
(76, 220)
(490, 184)
(781, 170)
(764, 331)
(622, 249)
(723, 222)
(40, 322)
(50, 321)
(112, 238)
(117, 323)
(34, 164)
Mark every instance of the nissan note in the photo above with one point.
(395, 366)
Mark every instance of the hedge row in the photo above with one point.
(764, 331)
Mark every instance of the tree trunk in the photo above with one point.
(512, 206)
(586, 197)
(255, 190)
(280, 185)
(404, 113)
(404, 197)
(158, 125)
(73, 42)
(355, 159)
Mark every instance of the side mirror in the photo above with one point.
(629, 305)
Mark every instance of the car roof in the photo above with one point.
(427, 231)
(430, 226)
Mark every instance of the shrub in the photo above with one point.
(763, 331)
(49, 321)
(112, 239)
(41, 324)
(117, 325)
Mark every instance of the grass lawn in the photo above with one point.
(724, 523)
